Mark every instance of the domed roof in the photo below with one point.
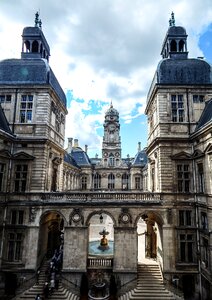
(183, 71)
(29, 71)
(176, 31)
(111, 111)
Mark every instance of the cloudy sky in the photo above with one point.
(103, 51)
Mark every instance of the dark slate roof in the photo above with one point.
(183, 71)
(80, 156)
(140, 159)
(206, 116)
(69, 160)
(29, 71)
(3, 122)
(176, 31)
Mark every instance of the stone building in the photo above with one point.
(156, 205)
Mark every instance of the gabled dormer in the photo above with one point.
(34, 44)
(175, 42)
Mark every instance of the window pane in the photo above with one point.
(13, 217)
(190, 252)
(21, 217)
(10, 250)
(182, 251)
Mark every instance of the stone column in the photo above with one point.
(169, 247)
(125, 254)
(30, 247)
(75, 249)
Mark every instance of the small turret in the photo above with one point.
(34, 44)
(175, 42)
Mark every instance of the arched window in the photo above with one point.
(181, 46)
(125, 181)
(27, 46)
(111, 181)
(41, 50)
(35, 46)
(97, 181)
(111, 160)
(173, 46)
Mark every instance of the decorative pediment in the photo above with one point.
(208, 149)
(181, 156)
(23, 156)
(5, 154)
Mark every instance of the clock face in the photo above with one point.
(125, 218)
(76, 217)
(111, 128)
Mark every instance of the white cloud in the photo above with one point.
(103, 50)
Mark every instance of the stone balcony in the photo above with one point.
(90, 197)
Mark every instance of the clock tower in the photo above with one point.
(111, 146)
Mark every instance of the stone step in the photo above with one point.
(149, 285)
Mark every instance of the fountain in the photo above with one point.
(104, 242)
(99, 288)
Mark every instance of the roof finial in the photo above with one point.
(172, 20)
(36, 19)
(40, 24)
(111, 104)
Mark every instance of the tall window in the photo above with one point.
(200, 178)
(186, 247)
(26, 107)
(5, 98)
(198, 98)
(20, 178)
(125, 182)
(84, 182)
(97, 181)
(183, 178)
(111, 181)
(185, 218)
(177, 107)
(14, 246)
(2, 169)
(111, 160)
(137, 182)
(17, 217)
(204, 221)
(205, 252)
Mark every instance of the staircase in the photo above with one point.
(149, 285)
(60, 294)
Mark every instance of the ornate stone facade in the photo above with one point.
(46, 191)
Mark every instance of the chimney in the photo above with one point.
(76, 143)
(69, 145)
(86, 148)
(139, 146)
